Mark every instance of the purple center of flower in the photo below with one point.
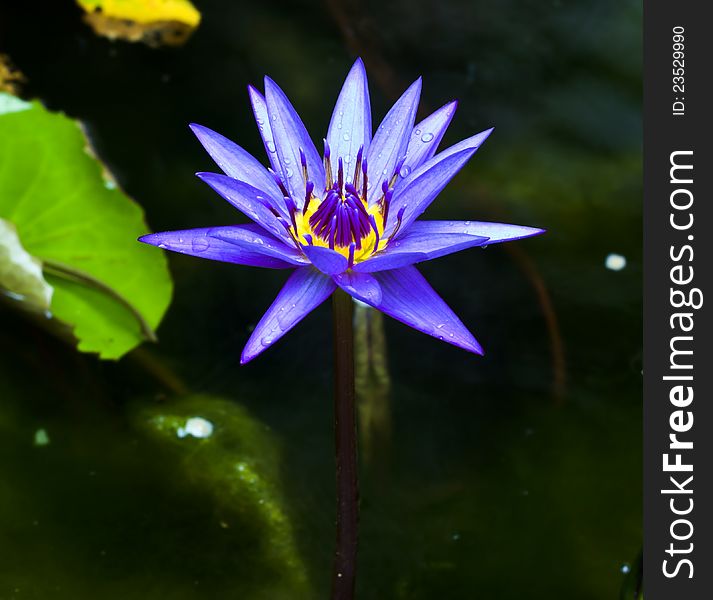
(342, 217)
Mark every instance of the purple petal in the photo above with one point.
(290, 137)
(417, 245)
(426, 136)
(422, 186)
(263, 124)
(237, 163)
(350, 127)
(391, 140)
(326, 260)
(304, 291)
(495, 232)
(361, 286)
(407, 297)
(248, 200)
(254, 238)
(201, 243)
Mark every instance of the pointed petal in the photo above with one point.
(263, 124)
(350, 127)
(417, 245)
(361, 286)
(237, 163)
(201, 243)
(254, 238)
(248, 200)
(426, 136)
(304, 291)
(290, 137)
(391, 140)
(495, 232)
(407, 297)
(326, 260)
(422, 186)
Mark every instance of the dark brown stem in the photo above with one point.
(344, 572)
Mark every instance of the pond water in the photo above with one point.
(509, 476)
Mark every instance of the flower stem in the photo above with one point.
(344, 572)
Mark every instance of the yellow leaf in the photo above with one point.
(153, 22)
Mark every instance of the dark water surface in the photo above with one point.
(512, 476)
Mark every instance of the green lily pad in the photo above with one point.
(69, 215)
(21, 273)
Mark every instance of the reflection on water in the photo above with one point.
(476, 481)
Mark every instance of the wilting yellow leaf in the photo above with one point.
(154, 22)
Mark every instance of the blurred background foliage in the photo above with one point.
(513, 475)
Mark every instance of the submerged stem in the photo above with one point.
(344, 572)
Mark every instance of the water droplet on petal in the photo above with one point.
(288, 172)
(200, 244)
(417, 132)
(267, 340)
(162, 246)
(346, 137)
(405, 170)
(426, 137)
(271, 146)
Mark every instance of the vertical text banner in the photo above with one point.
(678, 300)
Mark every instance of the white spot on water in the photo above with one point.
(41, 438)
(198, 427)
(615, 262)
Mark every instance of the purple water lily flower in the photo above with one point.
(345, 219)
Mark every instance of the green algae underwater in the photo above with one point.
(516, 474)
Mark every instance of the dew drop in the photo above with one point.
(346, 137)
(615, 262)
(288, 172)
(271, 146)
(162, 246)
(259, 241)
(200, 244)
(267, 340)
(426, 137)
(405, 170)
(287, 161)
(417, 132)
